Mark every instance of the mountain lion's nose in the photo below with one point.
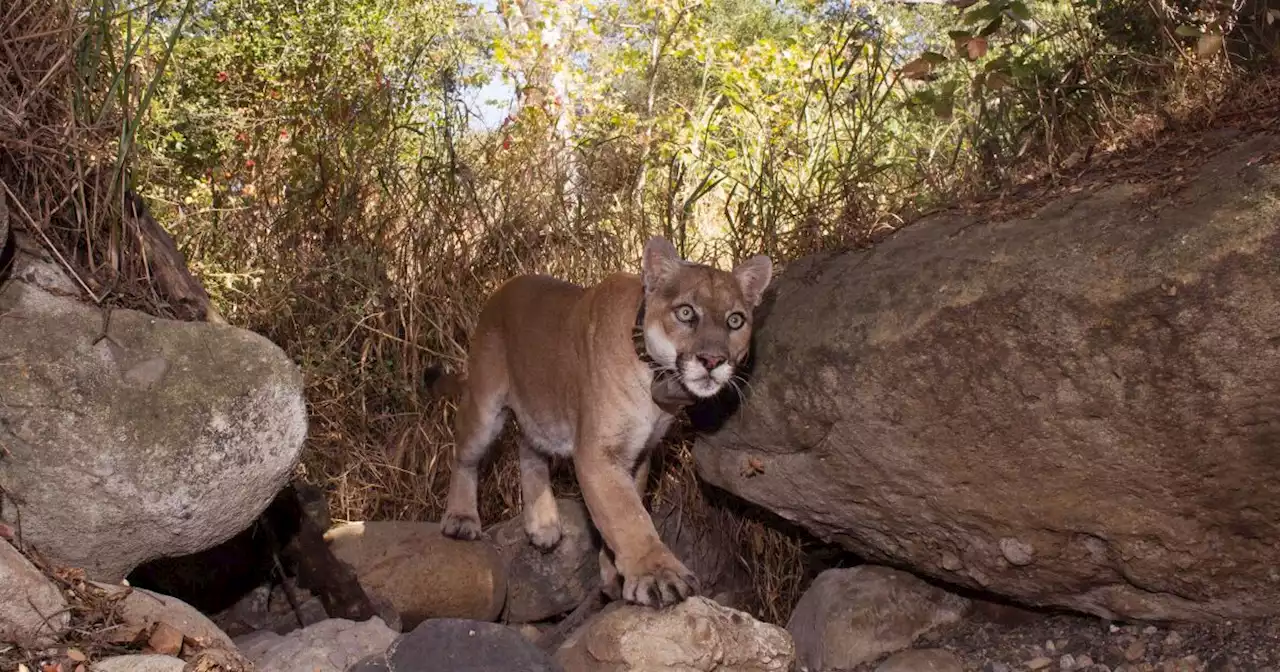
(710, 361)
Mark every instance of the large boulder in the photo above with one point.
(32, 609)
(540, 584)
(1080, 407)
(129, 437)
(419, 572)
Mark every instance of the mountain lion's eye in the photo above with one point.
(685, 313)
(736, 320)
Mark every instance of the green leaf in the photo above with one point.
(1019, 10)
(944, 106)
(976, 48)
(997, 64)
(986, 12)
(1208, 44)
(1187, 31)
(933, 57)
(917, 69)
(992, 27)
(997, 80)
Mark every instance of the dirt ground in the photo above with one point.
(1005, 639)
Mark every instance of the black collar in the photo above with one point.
(666, 390)
(637, 340)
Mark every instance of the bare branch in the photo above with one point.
(958, 4)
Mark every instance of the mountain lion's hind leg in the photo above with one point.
(541, 517)
(479, 421)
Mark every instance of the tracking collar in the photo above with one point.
(666, 390)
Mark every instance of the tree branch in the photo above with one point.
(958, 4)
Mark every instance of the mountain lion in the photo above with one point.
(596, 374)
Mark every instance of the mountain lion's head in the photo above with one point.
(697, 319)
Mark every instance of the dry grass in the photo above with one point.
(380, 445)
(368, 322)
(69, 101)
(63, 158)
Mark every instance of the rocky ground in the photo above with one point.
(1028, 641)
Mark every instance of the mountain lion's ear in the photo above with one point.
(660, 259)
(753, 277)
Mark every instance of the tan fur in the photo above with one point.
(561, 359)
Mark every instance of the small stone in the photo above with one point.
(138, 609)
(1173, 640)
(457, 645)
(1039, 663)
(332, 645)
(529, 631)
(1135, 651)
(1084, 662)
(1050, 646)
(921, 660)
(1113, 628)
(1067, 662)
(139, 663)
(166, 640)
(1150, 630)
(855, 615)
(1017, 552)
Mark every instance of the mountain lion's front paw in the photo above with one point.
(658, 580)
(460, 526)
(545, 537)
